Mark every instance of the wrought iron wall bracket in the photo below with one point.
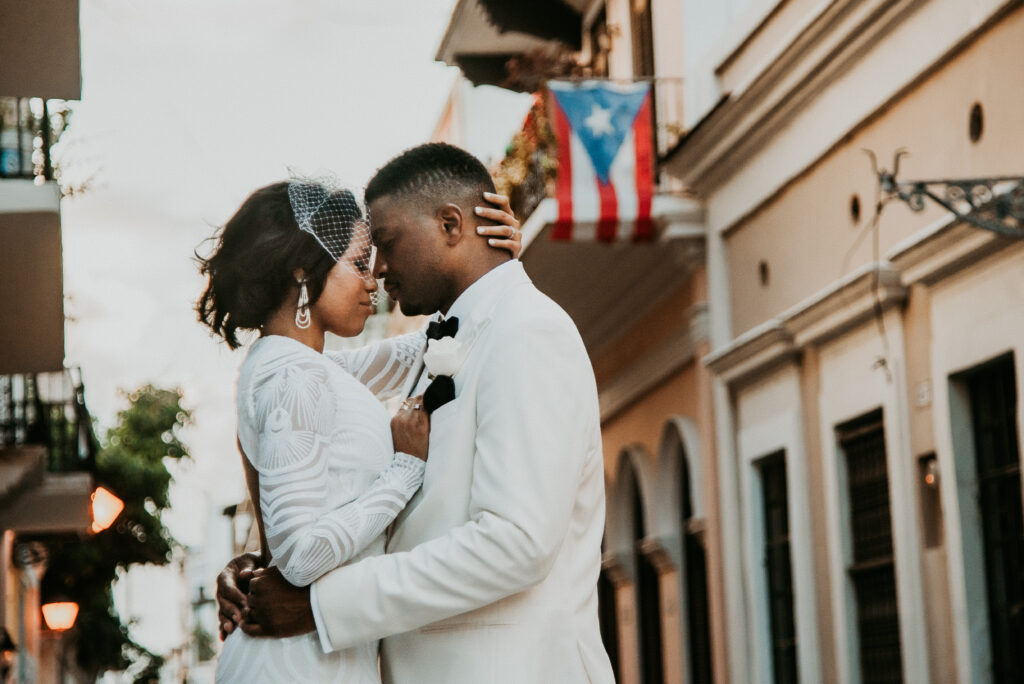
(994, 204)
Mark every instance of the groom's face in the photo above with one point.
(408, 240)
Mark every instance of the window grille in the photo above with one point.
(872, 571)
(993, 397)
(778, 568)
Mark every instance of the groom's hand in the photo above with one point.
(277, 608)
(232, 586)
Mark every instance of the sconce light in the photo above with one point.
(930, 471)
(105, 509)
(60, 616)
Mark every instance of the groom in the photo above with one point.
(491, 570)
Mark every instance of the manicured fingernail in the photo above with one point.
(490, 194)
(491, 241)
(480, 230)
(478, 210)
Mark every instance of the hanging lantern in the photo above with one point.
(60, 616)
(105, 509)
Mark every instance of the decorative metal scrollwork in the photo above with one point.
(994, 204)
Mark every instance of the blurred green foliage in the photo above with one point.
(132, 463)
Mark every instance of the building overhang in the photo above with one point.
(606, 288)
(482, 35)
(59, 504)
(21, 468)
(31, 279)
(40, 51)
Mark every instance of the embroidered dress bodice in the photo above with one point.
(330, 483)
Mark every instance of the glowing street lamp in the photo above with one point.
(60, 616)
(105, 509)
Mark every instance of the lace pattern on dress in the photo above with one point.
(295, 418)
(383, 367)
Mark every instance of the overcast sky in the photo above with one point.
(187, 106)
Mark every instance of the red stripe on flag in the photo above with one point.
(562, 230)
(643, 143)
(609, 221)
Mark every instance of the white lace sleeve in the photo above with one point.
(384, 366)
(294, 411)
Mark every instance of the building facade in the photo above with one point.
(809, 385)
(46, 443)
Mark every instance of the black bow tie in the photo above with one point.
(446, 327)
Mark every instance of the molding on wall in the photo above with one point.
(655, 366)
(939, 251)
(796, 73)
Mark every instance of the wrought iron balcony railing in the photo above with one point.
(29, 128)
(48, 409)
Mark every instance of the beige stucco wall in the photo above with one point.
(805, 233)
(976, 315)
(652, 328)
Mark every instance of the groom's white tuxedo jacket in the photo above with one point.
(492, 569)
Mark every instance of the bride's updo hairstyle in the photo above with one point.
(250, 271)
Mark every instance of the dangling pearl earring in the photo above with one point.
(302, 311)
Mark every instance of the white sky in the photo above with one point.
(187, 106)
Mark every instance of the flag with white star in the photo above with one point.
(605, 155)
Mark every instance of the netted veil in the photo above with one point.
(334, 214)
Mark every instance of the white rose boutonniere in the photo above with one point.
(443, 357)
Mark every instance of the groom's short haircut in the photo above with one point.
(436, 172)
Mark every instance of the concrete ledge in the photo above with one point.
(61, 504)
(20, 195)
(21, 468)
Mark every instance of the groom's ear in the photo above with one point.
(453, 221)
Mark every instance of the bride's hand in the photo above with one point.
(232, 587)
(410, 429)
(506, 235)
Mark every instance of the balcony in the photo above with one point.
(29, 128)
(603, 287)
(47, 454)
(31, 287)
(48, 409)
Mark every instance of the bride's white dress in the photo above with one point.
(330, 484)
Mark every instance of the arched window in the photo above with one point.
(681, 513)
(696, 573)
(648, 597)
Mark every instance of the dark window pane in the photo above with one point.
(607, 618)
(993, 396)
(872, 572)
(648, 598)
(778, 567)
(698, 623)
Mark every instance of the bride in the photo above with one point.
(325, 473)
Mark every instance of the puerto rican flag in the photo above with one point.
(605, 160)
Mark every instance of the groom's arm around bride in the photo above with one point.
(492, 570)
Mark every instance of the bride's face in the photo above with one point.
(345, 303)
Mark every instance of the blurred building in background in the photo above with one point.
(809, 377)
(47, 448)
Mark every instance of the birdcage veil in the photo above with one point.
(333, 213)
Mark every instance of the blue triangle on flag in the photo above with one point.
(601, 115)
